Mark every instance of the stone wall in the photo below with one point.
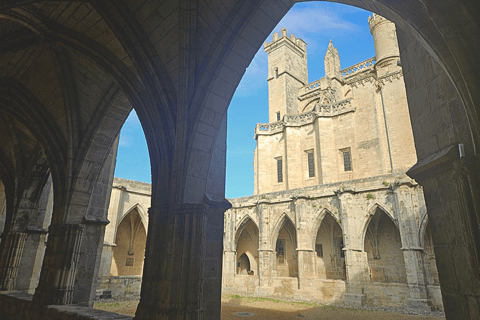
(361, 110)
(374, 222)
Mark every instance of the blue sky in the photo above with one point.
(314, 22)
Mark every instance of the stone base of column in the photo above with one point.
(355, 300)
(420, 305)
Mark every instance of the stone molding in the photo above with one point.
(380, 82)
(361, 66)
(296, 120)
(31, 229)
(435, 163)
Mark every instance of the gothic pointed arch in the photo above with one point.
(284, 243)
(383, 245)
(130, 240)
(370, 214)
(322, 214)
(244, 222)
(141, 213)
(328, 248)
(246, 246)
(284, 218)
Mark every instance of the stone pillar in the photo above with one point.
(357, 275)
(212, 272)
(32, 259)
(57, 279)
(12, 249)
(34, 251)
(406, 206)
(229, 252)
(175, 257)
(356, 260)
(229, 267)
(265, 251)
(451, 188)
(306, 262)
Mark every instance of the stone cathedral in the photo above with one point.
(72, 71)
(334, 217)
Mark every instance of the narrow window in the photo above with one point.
(342, 253)
(278, 116)
(319, 250)
(276, 72)
(279, 170)
(281, 250)
(311, 164)
(347, 162)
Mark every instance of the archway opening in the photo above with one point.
(329, 254)
(243, 265)
(383, 246)
(247, 246)
(285, 251)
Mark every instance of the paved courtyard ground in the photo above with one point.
(237, 307)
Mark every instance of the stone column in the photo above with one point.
(356, 261)
(57, 279)
(357, 275)
(34, 251)
(229, 252)
(32, 259)
(175, 260)
(265, 251)
(12, 249)
(406, 206)
(229, 267)
(451, 188)
(306, 262)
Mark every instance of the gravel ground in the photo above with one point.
(236, 307)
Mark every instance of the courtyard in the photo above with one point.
(238, 307)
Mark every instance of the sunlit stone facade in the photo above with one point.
(334, 217)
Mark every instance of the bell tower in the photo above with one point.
(386, 44)
(287, 72)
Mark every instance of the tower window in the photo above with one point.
(279, 170)
(311, 164)
(276, 72)
(278, 116)
(347, 160)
